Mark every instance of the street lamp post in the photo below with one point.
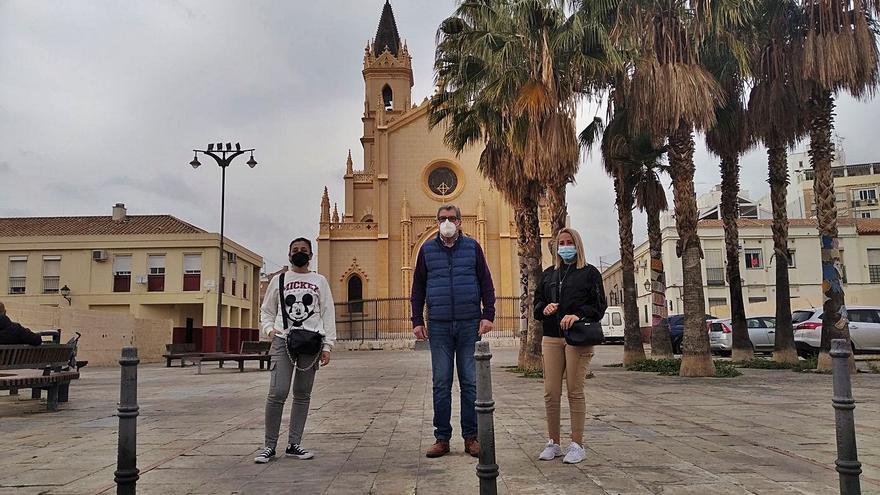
(224, 158)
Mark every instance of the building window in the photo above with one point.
(17, 274)
(647, 319)
(442, 181)
(355, 294)
(122, 273)
(874, 265)
(616, 319)
(714, 267)
(757, 299)
(388, 97)
(840, 197)
(715, 302)
(842, 267)
(156, 276)
(754, 259)
(234, 269)
(864, 214)
(866, 194)
(791, 259)
(51, 274)
(192, 272)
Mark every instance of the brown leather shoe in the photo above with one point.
(439, 449)
(472, 446)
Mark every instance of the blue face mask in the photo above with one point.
(567, 253)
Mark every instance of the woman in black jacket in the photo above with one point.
(569, 291)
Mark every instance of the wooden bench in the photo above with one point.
(50, 358)
(178, 351)
(250, 351)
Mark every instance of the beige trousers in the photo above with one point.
(571, 362)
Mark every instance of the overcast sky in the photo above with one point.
(102, 101)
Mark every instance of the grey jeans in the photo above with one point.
(279, 387)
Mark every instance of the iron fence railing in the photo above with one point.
(389, 319)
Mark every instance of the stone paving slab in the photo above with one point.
(767, 432)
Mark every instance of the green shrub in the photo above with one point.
(666, 367)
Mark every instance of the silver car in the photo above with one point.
(762, 333)
(864, 329)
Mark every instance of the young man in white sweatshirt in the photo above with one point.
(308, 305)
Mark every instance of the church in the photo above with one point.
(368, 248)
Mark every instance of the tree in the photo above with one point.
(671, 94)
(509, 74)
(839, 53)
(729, 138)
(777, 117)
(651, 198)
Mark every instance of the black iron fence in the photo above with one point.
(389, 319)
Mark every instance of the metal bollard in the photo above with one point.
(126, 474)
(487, 469)
(847, 463)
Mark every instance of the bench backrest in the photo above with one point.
(255, 347)
(16, 357)
(180, 348)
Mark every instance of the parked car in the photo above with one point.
(864, 329)
(762, 333)
(612, 324)
(676, 329)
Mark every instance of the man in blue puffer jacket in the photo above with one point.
(451, 274)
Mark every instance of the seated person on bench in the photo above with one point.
(12, 333)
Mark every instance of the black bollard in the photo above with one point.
(847, 463)
(126, 474)
(487, 469)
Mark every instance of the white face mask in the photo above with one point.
(447, 229)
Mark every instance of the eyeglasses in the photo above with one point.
(443, 219)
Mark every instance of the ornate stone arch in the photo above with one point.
(355, 270)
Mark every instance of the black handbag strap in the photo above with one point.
(284, 315)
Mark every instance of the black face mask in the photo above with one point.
(299, 259)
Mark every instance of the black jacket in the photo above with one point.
(582, 296)
(14, 333)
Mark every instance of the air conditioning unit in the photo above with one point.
(99, 255)
(231, 257)
(871, 201)
(140, 279)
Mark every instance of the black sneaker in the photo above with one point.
(265, 455)
(298, 452)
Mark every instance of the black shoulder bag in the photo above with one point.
(582, 333)
(299, 341)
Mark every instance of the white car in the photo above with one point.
(864, 329)
(762, 333)
(612, 324)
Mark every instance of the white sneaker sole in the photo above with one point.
(262, 460)
(569, 461)
(542, 458)
(301, 457)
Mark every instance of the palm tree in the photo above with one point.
(839, 52)
(777, 117)
(671, 94)
(729, 139)
(651, 198)
(509, 74)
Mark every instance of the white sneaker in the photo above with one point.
(574, 454)
(550, 452)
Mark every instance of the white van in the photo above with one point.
(612, 324)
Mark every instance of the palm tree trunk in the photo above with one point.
(661, 345)
(529, 250)
(834, 322)
(784, 350)
(742, 345)
(696, 359)
(558, 208)
(633, 350)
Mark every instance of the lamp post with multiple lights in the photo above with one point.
(224, 158)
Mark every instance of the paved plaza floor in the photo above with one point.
(766, 432)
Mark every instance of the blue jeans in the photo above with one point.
(452, 343)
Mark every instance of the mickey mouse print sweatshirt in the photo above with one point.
(309, 306)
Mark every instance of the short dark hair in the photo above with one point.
(450, 207)
(301, 239)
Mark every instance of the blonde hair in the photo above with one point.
(581, 260)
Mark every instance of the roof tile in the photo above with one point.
(95, 225)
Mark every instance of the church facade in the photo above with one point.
(369, 241)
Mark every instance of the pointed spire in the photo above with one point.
(325, 206)
(386, 34)
(349, 166)
(335, 214)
